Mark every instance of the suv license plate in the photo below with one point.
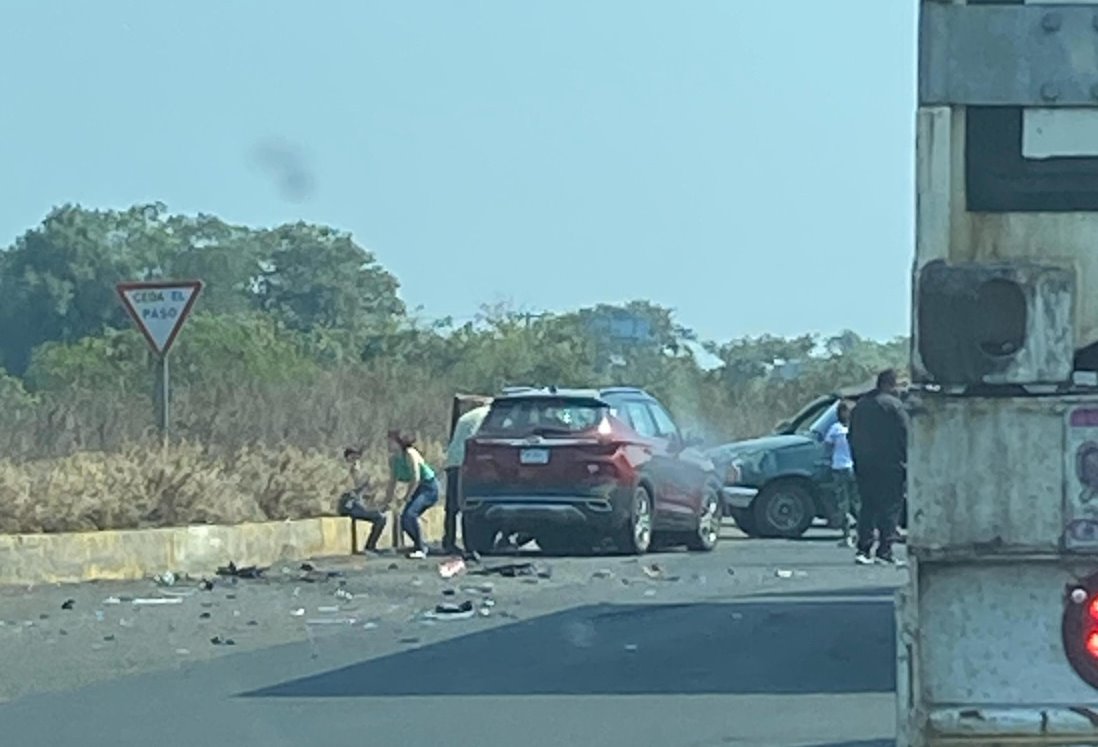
(534, 456)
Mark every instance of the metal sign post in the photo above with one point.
(159, 308)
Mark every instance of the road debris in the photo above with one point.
(343, 594)
(655, 572)
(156, 601)
(248, 572)
(68, 604)
(181, 593)
(462, 611)
(516, 570)
(786, 573)
(219, 641)
(204, 616)
(299, 612)
(165, 579)
(603, 573)
(451, 568)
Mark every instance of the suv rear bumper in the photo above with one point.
(531, 512)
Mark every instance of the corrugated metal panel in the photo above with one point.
(986, 475)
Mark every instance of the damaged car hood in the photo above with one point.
(726, 452)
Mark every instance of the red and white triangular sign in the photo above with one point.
(159, 308)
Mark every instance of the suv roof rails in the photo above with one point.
(517, 389)
(624, 389)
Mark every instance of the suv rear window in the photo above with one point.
(542, 416)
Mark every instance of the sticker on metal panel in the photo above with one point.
(1080, 519)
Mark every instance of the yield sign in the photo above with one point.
(159, 308)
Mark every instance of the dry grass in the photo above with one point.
(183, 484)
(250, 452)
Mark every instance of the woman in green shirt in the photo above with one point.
(408, 466)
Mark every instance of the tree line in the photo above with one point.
(301, 338)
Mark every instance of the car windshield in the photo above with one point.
(823, 422)
(542, 416)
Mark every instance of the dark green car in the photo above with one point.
(778, 484)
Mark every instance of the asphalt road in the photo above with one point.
(758, 643)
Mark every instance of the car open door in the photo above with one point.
(462, 404)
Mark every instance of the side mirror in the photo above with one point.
(688, 440)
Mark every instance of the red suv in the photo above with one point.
(577, 466)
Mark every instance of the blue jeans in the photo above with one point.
(426, 495)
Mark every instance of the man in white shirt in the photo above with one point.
(465, 428)
(842, 473)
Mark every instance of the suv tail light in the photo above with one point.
(1080, 628)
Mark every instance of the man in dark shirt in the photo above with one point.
(878, 444)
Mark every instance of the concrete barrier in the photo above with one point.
(139, 553)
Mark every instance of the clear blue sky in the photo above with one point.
(749, 164)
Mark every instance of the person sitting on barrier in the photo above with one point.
(408, 466)
(354, 503)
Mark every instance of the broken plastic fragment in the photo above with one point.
(451, 568)
(462, 611)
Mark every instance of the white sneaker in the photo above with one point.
(863, 559)
(417, 555)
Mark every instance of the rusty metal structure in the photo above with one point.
(997, 625)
